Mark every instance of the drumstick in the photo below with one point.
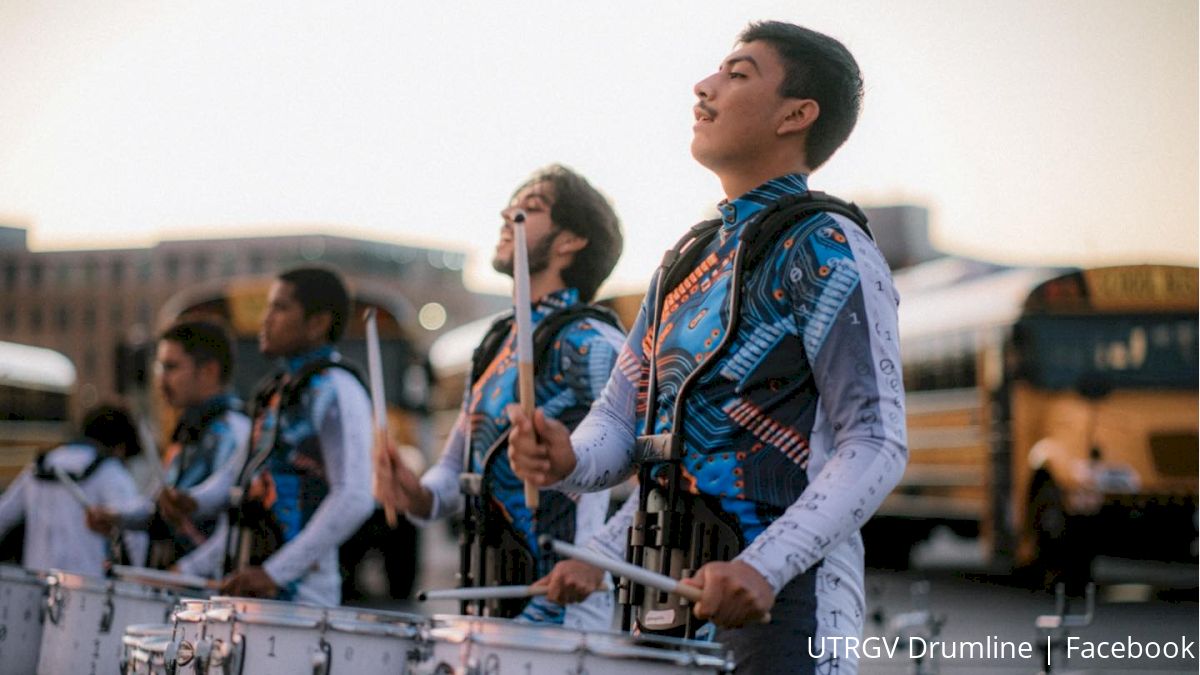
(522, 304)
(378, 401)
(492, 593)
(162, 577)
(480, 593)
(623, 569)
(72, 487)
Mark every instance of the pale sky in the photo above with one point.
(1038, 132)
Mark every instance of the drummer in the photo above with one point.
(304, 488)
(208, 446)
(574, 240)
(789, 439)
(55, 534)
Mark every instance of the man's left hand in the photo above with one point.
(734, 594)
(251, 582)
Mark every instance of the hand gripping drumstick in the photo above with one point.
(623, 569)
(522, 304)
(378, 401)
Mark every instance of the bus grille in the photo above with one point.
(1175, 455)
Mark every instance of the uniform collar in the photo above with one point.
(737, 212)
(298, 361)
(554, 301)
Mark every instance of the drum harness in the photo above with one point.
(674, 531)
(491, 551)
(117, 553)
(250, 520)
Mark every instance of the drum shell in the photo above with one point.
(271, 636)
(143, 649)
(22, 610)
(86, 619)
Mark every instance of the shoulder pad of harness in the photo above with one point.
(795, 208)
(43, 472)
(543, 336)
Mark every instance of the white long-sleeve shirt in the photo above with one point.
(341, 414)
(56, 533)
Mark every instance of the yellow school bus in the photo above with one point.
(1051, 412)
(35, 394)
(240, 303)
(36, 386)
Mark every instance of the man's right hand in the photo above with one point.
(571, 581)
(397, 487)
(101, 520)
(175, 506)
(539, 449)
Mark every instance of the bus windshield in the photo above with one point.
(1107, 351)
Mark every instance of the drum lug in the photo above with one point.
(234, 655)
(54, 602)
(322, 659)
(169, 657)
(203, 651)
(106, 619)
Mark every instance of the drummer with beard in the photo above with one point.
(304, 488)
(194, 364)
(574, 240)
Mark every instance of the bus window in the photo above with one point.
(1126, 351)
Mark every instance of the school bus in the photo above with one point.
(1052, 413)
(240, 303)
(36, 386)
(35, 393)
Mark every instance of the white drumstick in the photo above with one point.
(378, 400)
(72, 487)
(623, 569)
(165, 578)
(481, 593)
(522, 308)
(375, 370)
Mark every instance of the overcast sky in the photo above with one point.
(1034, 131)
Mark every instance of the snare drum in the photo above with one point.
(363, 641)
(266, 636)
(22, 603)
(462, 644)
(143, 649)
(86, 619)
(188, 636)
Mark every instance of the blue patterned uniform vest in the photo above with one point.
(747, 419)
(564, 389)
(289, 485)
(201, 441)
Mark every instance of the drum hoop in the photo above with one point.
(277, 620)
(190, 615)
(371, 628)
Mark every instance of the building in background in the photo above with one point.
(86, 303)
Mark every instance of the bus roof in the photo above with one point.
(35, 368)
(952, 295)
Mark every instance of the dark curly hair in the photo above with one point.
(581, 208)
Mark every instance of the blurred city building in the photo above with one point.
(86, 303)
